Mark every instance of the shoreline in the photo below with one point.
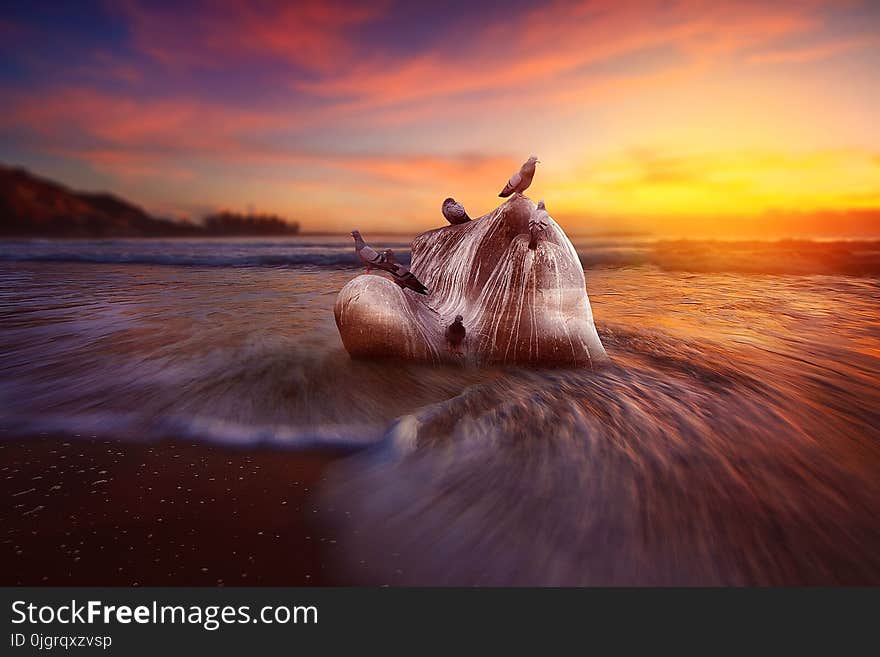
(95, 512)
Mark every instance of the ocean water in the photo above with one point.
(735, 439)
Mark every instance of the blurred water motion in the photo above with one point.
(734, 440)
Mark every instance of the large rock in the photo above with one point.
(519, 305)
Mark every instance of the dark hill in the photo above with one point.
(35, 207)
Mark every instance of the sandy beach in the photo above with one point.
(113, 513)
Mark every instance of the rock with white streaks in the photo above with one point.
(519, 305)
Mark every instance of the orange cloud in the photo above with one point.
(178, 125)
(313, 34)
(812, 53)
(550, 43)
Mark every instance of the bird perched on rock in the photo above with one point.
(368, 255)
(520, 181)
(538, 222)
(454, 212)
(455, 334)
(403, 276)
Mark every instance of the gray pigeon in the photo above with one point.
(368, 255)
(455, 212)
(455, 334)
(538, 222)
(403, 276)
(520, 181)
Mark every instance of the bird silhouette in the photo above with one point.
(520, 181)
(538, 222)
(403, 276)
(455, 212)
(368, 255)
(455, 335)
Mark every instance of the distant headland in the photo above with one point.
(36, 207)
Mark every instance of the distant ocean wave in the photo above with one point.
(797, 257)
(178, 260)
(193, 253)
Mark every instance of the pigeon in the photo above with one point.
(401, 275)
(368, 255)
(520, 181)
(455, 334)
(538, 222)
(454, 212)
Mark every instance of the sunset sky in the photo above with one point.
(676, 118)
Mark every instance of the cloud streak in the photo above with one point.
(313, 35)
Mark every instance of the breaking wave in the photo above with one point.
(801, 257)
(678, 465)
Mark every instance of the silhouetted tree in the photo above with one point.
(231, 223)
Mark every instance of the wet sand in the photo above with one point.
(735, 440)
(108, 513)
